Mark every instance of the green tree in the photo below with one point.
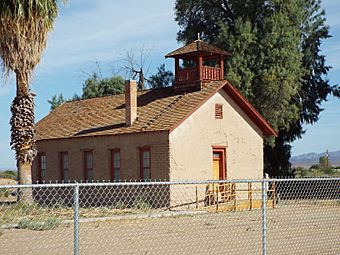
(276, 63)
(56, 101)
(94, 86)
(24, 27)
(324, 162)
(163, 78)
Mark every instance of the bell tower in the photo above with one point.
(201, 62)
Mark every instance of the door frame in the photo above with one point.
(222, 150)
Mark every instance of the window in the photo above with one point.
(42, 167)
(145, 163)
(218, 111)
(115, 165)
(88, 160)
(64, 169)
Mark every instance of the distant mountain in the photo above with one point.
(306, 160)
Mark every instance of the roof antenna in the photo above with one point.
(198, 37)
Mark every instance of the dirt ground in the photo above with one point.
(292, 229)
(5, 181)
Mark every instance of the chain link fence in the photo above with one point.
(269, 216)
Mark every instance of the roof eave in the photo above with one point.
(249, 109)
(193, 110)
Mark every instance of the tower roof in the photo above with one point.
(198, 46)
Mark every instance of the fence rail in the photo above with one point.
(269, 216)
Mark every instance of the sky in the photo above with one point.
(92, 35)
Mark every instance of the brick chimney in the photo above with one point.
(130, 102)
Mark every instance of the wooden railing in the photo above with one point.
(211, 73)
(191, 74)
(219, 193)
(187, 74)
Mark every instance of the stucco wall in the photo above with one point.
(191, 142)
(129, 148)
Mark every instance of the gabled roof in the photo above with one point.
(197, 46)
(158, 110)
(249, 109)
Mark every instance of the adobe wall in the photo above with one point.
(129, 147)
(191, 143)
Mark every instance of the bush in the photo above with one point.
(314, 167)
(119, 205)
(39, 224)
(300, 171)
(329, 171)
(141, 204)
(8, 174)
(4, 193)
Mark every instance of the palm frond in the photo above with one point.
(24, 25)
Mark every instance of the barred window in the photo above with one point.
(42, 169)
(145, 163)
(64, 166)
(115, 165)
(88, 159)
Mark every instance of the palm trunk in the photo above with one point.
(24, 177)
(22, 136)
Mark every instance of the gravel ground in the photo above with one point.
(292, 229)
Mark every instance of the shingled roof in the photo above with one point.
(158, 110)
(197, 46)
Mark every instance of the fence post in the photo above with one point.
(76, 219)
(196, 198)
(264, 216)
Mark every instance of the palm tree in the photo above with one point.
(24, 26)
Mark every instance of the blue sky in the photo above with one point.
(89, 31)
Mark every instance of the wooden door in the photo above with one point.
(219, 172)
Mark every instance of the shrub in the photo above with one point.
(39, 224)
(8, 174)
(141, 204)
(329, 171)
(314, 167)
(4, 193)
(119, 205)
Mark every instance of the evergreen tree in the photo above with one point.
(56, 101)
(276, 63)
(94, 86)
(324, 162)
(163, 78)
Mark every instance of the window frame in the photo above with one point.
(39, 174)
(62, 169)
(112, 164)
(142, 150)
(85, 153)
